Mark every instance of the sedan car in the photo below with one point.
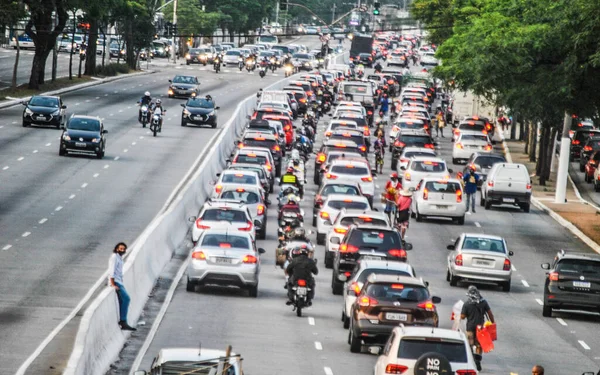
(386, 301)
(253, 198)
(184, 86)
(240, 178)
(225, 257)
(44, 110)
(412, 152)
(222, 214)
(477, 257)
(439, 198)
(590, 167)
(424, 166)
(83, 135)
(355, 170)
(332, 206)
(333, 187)
(469, 142)
(199, 111)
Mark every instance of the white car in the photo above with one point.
(412, 152)
(340, 124)
(439, 198)
(507, 183)
(254, 199)
(407, 344)
(237, 178)
(332, 206)
(341, 224)
(365, 268)
(352, 170)
(469, 142)
(345, 108)
(222, 214)
(424, 166)
(470, 126)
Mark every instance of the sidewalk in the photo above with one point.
(576, 215)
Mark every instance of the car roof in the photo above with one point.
(429, 332)
(344, 183)
(380, 278)
(481, 235)
(386, 264)
(418, 149)
(566, 254)
(254, 150)
(260, 134)
(431, 178)
(86, 117)
(367, 212)
(350, 161)
(335, 142)
(414, 132)
(235, 171)
(428, 158)
(355, 198)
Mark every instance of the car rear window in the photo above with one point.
(578, 266)
(251, 159)
(399, 292)
(442, 187)
(585, 134)
(375, 239)
(267, 143)
(474, 127)
(243, 195)
(362, 278)
(488, 161)
(219, 214)
(334, 156)
(337, 125)
(239, 178)
(340, 189)
(428, 166)
(511, 173)
(416, 139)
(355, 89)
(350, 170)
(358, 118)
(225, 241)
(358, 139)
(486, 244)
(454, 351)
(349, 220)
(347, 204)
(474, 137)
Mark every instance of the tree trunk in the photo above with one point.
(129, 53)
(103, 46)
(90, 59)
(54, 62)
(513, 126)
(533, 140)
(231, 37)
(524, 131)
(541, 161)
(13, 83)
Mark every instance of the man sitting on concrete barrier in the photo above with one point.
(115, 280)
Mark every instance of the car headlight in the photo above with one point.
(56, 113)
(28, 111)
(212, 113)
(96, 140)
(170, 91)
(66, 137)
(187, 56)
(186, 112)
(194, 94)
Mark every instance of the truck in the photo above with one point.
(361, 44)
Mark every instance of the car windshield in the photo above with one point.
(375, 239)
(428, 166)
(226, 241)
(41, 101)
(347, 204)
(397, 292)
(362, 278)
(86, 124)
(268, 39)
(350, 170)
(485, 244)
(474, 137)
(240, 194)
(195, 51)
(184, 79)
(488, 161)
(259, 171)
(302, 56)
(252, 142)
(355, 89)
(200, 103)
(337, 125)
(233, 53)
(454, 351)
(220, 214)
(442, 187)
(239, 178)
(361, 220)
(578, 266)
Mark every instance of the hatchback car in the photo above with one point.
(591, 145)
(332, 206)
(507, 183)
(412, 152)
(421, 167)
(589, 170)
(267, 141)
(253, 198)
(479, 257)
(407, 345)
(248, 155)
(384, 302)
(364, 269)
(238, 178)
(44, 110)
(263, 174)
(355, 170)
(183, 86)
(199, 111)
(439, 198)
(469, 142)
(333, 187)
(225, 257)
(331, 145)
(356, 136)
(572, 282)
(470, 126)
(83, 135)
(222, 214)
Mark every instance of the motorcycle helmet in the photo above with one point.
(147, 93)
(290, 169)
(296, 162)
(394, 175)
(208, 97)
(299, 233)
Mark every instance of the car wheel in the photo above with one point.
(461, 220)
(321, 239)
(328, 259)
(419, 217)
(447, 275)
(481, 200)
(596, 187)
(263, 233)
(214, 125)
(586, 178)
(546, 311)
(581, 167)
(183, 123)
(394, 163)
(453, 280)
(253, 291)
(100, 154)
(346, 321)
(454, 161)
(61, 152)
(190, 286)
(337, 287)
(526, 207)
(187, 63)
(505, 286)
(355, 345)
(25, 125)
(487, 204)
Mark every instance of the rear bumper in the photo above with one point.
(239, 278)
(572, 300)
(499, 197)
(481, 274)
(433, 209)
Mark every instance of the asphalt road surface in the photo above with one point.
(272, 340)
(60, 217)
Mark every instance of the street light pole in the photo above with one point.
(563, 162)
(174, 36)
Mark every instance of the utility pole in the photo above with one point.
(563, 163)
(333, 14)
(277, 12)
(174, 49)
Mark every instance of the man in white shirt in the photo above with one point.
(115, 280)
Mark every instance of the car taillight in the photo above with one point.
(198, 255)
(250, 259)
(488, 148)
(324, 215)
(491, 183)
(355, 287)
(458, 196)
(466, 372)
(425, 194)
(309, 93)
(553, 276)
(218, 188)
(399, 144)
(427, 306)
(458, 260)
(429, 145)
(575, 142)
(247, 228)
(587, 148)
(301, 282)
(488, 127)
(367, 301)
(269, 167)
(506, 265)
(407, 176)
(276, 148)
(367, 179)
(398, 253)
(393, 368)
(404, 160)
(327, 134)
(318, 200)
(260, 210)
(528, 186)
(344, 248)
(340, 230)
(363, 148)
(331, 176)
(456, 131)
(199, 225)
(321, 158)
(369, 113)
(459, 145)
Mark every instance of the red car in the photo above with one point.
(590, 166)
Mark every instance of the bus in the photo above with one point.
(24, 42)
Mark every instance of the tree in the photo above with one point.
(10, 14)
(134, 20)
(40, 30)
(192, 20)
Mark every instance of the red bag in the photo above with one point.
(485, 339)
(492, 330)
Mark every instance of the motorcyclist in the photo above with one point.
(208, 98)
(378, 68)
(289, 178)
(301, 268)
(259, 93)
(158, 110)
(145, 100)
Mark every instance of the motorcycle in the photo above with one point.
(145, 112)
(289, 70)
(241, 64)
(249, 65)
(262, 71)
(300, 296)
(217, 65)
(82, 54)
(155, 125)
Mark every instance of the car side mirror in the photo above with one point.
(335, 240)
(450, 247)
(342, 278)
(170, 81)
(268, 202)
(104, 131)
(256, 223)
(248, 117)
(24, 102)
(494, 142)
(546, 266)
(217, 107)
(261, 250)
(374, 350)
(192, 219)
(510, 253)
(64, 107)
(183, 105)
(403, 168)
(450, 170)
(436, 299)
(408, 246)
(219, 174)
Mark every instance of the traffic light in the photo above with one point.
(174, 30)
(168, 29)
(376, 6)
(283, 5)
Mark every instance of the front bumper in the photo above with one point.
(182, 93)
(40, 119)
(200, 119)
(85, 148)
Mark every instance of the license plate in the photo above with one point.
(508, 200)
(41, 118)
(396, 316)
(582, 284)
(483, 263)
(371, 257)
(441, 207)
(80, 144)
(301, 291)
(223, 260)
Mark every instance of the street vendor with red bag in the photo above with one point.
(475, 310)
(392, 188)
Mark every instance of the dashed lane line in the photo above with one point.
(328, 371)
(26, 234)
(6, 247)
(48, 144)
(513, 268)
(84, 185)
(106, 166)
(5, 167)
(525, 283)
(72, 196)
(477, 225)
(116, 158)
(96, 175)
(318, 345)
(35, 151)
(311, 320)
(20, 159)
(58, 208)
(42, 221)
(539, 301)
(584, 345)
(562, 322)
(125, 150)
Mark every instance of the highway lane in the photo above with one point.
(271, 338)
(61, 216)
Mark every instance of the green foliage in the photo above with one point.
(240, 15)
(113, 69)
(191, 19)
(10, 12)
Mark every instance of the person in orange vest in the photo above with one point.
(391, 190)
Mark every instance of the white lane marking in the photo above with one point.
(584, 345)
(77, 103)
(6, 247)
(141, 137)
(328, 371)
(120, 110)
(318, 345)
(58, 208)
(129, 107)
(96, 175)
(125, 150)
(35, 151)
(1, 126)
(48, 144)
(112, 114)
(116, 158)
(133, 143)
(5, 167)
(525, 283)
(311, 320)
(26, 234)
(107, 94)
(106, 166)
(513, 268)
(97, 97)
(84, 185)
(42, 221)
(562, 322)
(477, 225)
(539, 301)
(21, 158)
(72, 196)
(87, 100)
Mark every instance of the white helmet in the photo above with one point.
(147, 93)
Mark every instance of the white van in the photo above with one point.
(268, 39)
(507, 183)
(275, 96)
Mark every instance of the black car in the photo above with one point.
(364, 58)
(572, 282)
(592, 144)
(184, 86)
(44, 110)
(199, 111)
(197, 56)
(83, 135)
(579, 139)
(410, 139)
